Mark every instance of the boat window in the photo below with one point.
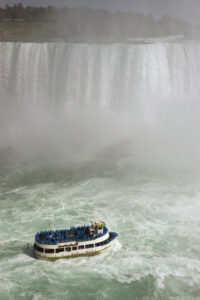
(49, 250)
(40, 249)
(59, 250)
(68, 249)
(74, 248)
(90, 246)
(80, 247)
(98, 244)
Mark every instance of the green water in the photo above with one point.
(156, 215)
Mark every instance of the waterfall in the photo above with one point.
(93, 95)
(112, 75)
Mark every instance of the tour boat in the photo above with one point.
(76, 241)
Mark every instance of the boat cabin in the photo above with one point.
(97, 228)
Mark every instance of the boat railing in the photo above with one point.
(69, 248)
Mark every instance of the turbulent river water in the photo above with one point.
(101, 132)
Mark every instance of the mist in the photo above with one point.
(182, 9)
(86, 24)
(39, 134)
(142, 107)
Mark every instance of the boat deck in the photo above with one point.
(81, 233)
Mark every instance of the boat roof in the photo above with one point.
(98, 223)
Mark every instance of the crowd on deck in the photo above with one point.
(81, 233)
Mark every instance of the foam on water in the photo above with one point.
(156, 255)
